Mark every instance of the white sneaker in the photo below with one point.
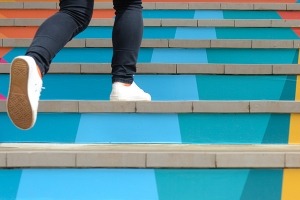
(120, 92)
(24, 92)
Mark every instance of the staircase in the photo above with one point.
(228, 127)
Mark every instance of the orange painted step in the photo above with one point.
(289, 14)
(32, 13)
(17, 32)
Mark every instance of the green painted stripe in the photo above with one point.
(234, 128)
(54, 127)
(255, 33)
(245, 87)
(263, 184)
(250, 14)
(219, 184)
(252, 56)
(277, 131)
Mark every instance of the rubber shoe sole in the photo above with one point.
(18, 104)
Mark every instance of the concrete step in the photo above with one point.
(166, 107)
(165, 5)
(172, 22)
(170, 33)
(175, 69)
(148, 156)
(171, 43)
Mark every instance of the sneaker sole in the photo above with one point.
(18, 104)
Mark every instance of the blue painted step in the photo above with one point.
(169, 87)
(137, 184)
(151, 128)
(198, 33)
(175, 55)
(211, 14)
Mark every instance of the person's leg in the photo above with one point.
(51, 37)
(127, 36)
(72, 18)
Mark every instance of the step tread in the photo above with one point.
(153, 68)
(149, 156)
(166, 107)
(173, 22)
(170, 43)
(164, 5)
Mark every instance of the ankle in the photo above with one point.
(124, 84)
(39, 71)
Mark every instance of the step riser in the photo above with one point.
(135, 184)
(169, 128)
(172, 55)
(170, 33)
(170, 23)
(201, 87)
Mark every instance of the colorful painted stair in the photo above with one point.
(228, 127)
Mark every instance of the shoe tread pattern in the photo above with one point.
(18, 104)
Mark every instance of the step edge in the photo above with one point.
(149, 156)
(165, 5)
(237, 106)
(266, 23)
(176, 69)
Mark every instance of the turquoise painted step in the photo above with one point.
(151, 128)
(198, 33)
(137, 184)
(211, 14)
(178, 87)
(175, 55)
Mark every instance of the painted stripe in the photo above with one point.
(97, 128)
(2, 97)
(291, 177)
(9, 183)
(168, 14)
(260, 182)
(242, 87)
(291, 181)
(255, 33)
(205, 184)
(195, 33)
(127, 184)
(50, 128)
(197, 128)
(208, 14)
(294, 136)
(45, 13)
(165, 55)
(250, 14)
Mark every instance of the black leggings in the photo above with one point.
(74, 16)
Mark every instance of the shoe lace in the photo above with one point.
(38, 89)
